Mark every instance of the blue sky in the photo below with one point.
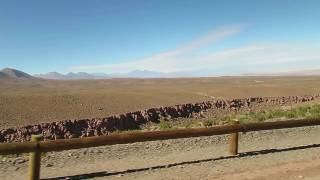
(211, 36)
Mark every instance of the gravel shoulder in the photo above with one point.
(287, 153)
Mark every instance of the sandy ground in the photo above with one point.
(278, 154)
(299, 170)
(33, 102)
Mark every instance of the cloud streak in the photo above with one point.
(165, 61)
(184, 59)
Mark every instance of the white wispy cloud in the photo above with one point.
(167, 61)
(183, 58)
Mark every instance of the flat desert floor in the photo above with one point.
(35, 101)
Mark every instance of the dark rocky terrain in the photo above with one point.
(134, 120)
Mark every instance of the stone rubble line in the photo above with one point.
(133, 120)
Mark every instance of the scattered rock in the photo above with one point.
(48, 165)
(19, 161)
(202, 115)
(4, 159)
(119, 175)
(96, 151)
(13, 168)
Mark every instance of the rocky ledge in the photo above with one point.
(133, 120)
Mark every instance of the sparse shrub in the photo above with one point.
(164, 125)
(297, 112)
(208, 123)
(260, 116)
(276, 113)
(226, 118)
(302, 111)
(242, 118)
(315, 110)
(291, 114)
(251, 113)
(188, 124)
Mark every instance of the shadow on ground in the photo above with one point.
(245, 154)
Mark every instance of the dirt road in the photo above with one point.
(279, 154)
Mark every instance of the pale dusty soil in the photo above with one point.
(278, 154)
(33, 102)
(298, 170)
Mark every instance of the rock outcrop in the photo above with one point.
(133, 120)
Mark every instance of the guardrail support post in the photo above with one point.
(34, 161)
(233, 141)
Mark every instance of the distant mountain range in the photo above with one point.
(71, 75)
(9, 73)
(84, 75)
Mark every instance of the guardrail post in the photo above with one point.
(34, 161)
(233, 141)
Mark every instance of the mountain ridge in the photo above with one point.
(10, 73)
(70, 76)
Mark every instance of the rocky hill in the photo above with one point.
(8, 73)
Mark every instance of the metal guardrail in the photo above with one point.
(35, 147)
